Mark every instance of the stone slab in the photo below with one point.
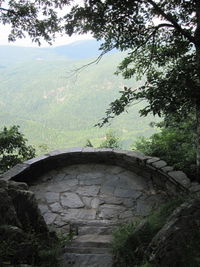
(159, 164)
(71, 200)
(180, 177)
(52, 197)
(87, 260)
(92, 190)
(127, 193)
(79, 214)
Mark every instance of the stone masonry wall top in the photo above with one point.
(162, 176)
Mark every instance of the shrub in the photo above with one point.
(131, 240)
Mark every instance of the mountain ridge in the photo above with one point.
(48, 95)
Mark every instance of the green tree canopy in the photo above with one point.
(13, 148)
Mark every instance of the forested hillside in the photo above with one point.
(58, 106)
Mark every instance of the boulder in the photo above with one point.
(18, 207)
(172, 244)
(22, 227)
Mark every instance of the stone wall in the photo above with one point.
(91, 185)
(162, 176)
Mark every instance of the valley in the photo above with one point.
(56, 106)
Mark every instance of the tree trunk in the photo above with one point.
(197, 45)
(198, 140)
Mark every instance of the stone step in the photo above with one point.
(91, 227)
(99, 230)
(91, 240)
(86, 260)
(87, 250)
(100, 223)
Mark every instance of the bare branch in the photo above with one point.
(169, 18)
(96, 61)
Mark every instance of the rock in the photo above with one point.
(170, 244)
(95, 203)
(21, 224)
(52, 197)
(88, 190)
(108, 211)
(180, 177)
(50, 217)
(79, 214)
(56, 207)
(143, 207)
(152, 160)
(127, 193)
(71, 200)
(159, 164)
(27, 210)
(7, 211)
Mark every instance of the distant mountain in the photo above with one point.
(58, 106)
(76, 50)
(79, 50)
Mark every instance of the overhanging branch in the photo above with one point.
(7, 10)
(169, 18)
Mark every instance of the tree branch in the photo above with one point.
(7, 10)
(169, 18)
(152, 34)
(96, 61)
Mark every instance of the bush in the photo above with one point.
(111, 141)
(131, 240)
(175, 144)
(13, 148)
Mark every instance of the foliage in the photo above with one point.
(111, 141)
(88, 143)
(175, 144)
(43, 149)
(31, 249)
(160, 38)
(13, 148)
(38, 19)
(129, 244)
(163, 43)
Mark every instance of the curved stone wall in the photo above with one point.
(162, 176)
(98, 185)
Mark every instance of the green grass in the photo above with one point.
(129, 245)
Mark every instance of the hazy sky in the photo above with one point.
(5, 29)
(27, 42)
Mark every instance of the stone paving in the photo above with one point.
(95, 193)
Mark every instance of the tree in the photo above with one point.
(111, 141)
(175, 144)
(163, 43)
(162, 39)
(38, 19)
(13, 148)
(88, 143)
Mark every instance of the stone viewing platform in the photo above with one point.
(94, 192)
(90, 191)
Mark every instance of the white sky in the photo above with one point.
(60, 40)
